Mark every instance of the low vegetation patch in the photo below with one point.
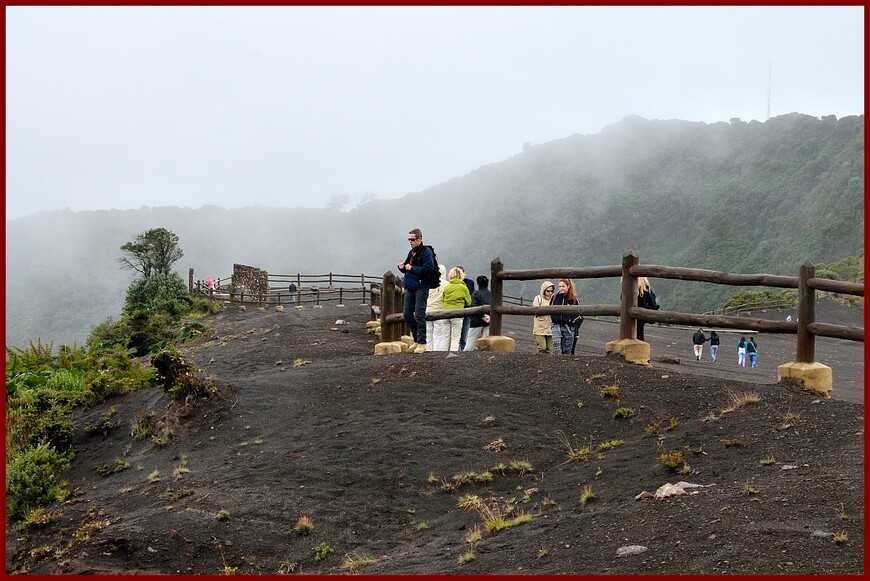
(587, 494)
(739, 400)
(623, 413)
(304, 525)
(322, 551)
(671, 460)
(354, 562)
(610, 444)
(574, 454)
(521, 466)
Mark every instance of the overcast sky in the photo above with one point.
(123, 107)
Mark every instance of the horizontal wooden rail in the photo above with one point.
(837, 286)
(714, 276)
(836, 331)
(541, 273)
(592, 310)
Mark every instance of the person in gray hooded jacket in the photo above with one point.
(542, 328)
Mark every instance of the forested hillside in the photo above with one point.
(738, 197)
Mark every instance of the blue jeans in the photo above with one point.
(466, 324)
(713, 350)
(753, 358)
(414, 313)
(563, 339)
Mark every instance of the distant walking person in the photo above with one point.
(479, 323)
(698, 340)
(542, 327)
(418, 265)
(646, 299)
(563, 325)
(456, 296)
(752, 351)
(741, 352)
(714, 345)
(209, 283)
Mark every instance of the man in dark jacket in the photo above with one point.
(698, 340)
(417, 266)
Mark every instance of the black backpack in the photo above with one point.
(651, 300)
(434, 277)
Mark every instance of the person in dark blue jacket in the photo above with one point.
(752, 352)
(698, 340)
(418, 265)
(479, 325)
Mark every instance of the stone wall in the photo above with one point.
(252, 284)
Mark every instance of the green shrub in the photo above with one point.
(40, 417)
(322, 551)
(191, 330)
(104, 424)
(31, 480)
(143, 426)
(66, 380)
(31, 358)
(109, 334)
(149, 333)
(176, 373)
(166, 292)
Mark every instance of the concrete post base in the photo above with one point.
(815, 376)
(632, 350)
(390, 347)
(495, 343)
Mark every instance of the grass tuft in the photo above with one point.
(354, 562)
(739, 400)
(304, 525)
(521, 466)
(586, 495)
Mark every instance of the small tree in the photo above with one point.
(152, 252)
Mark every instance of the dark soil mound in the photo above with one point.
(381, 451)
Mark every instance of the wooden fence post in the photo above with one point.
(190, 280)
(806, 341)
(627, 324)
(298, 289)
(389, 331)
(496, 289)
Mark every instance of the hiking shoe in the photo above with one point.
(420, 348)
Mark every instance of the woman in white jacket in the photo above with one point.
(435, 302)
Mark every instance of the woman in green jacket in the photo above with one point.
(456, 296)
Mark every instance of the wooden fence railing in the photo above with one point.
(385, 296)
(313, 289)
(805, 327)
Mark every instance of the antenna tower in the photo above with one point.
(768, 90)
